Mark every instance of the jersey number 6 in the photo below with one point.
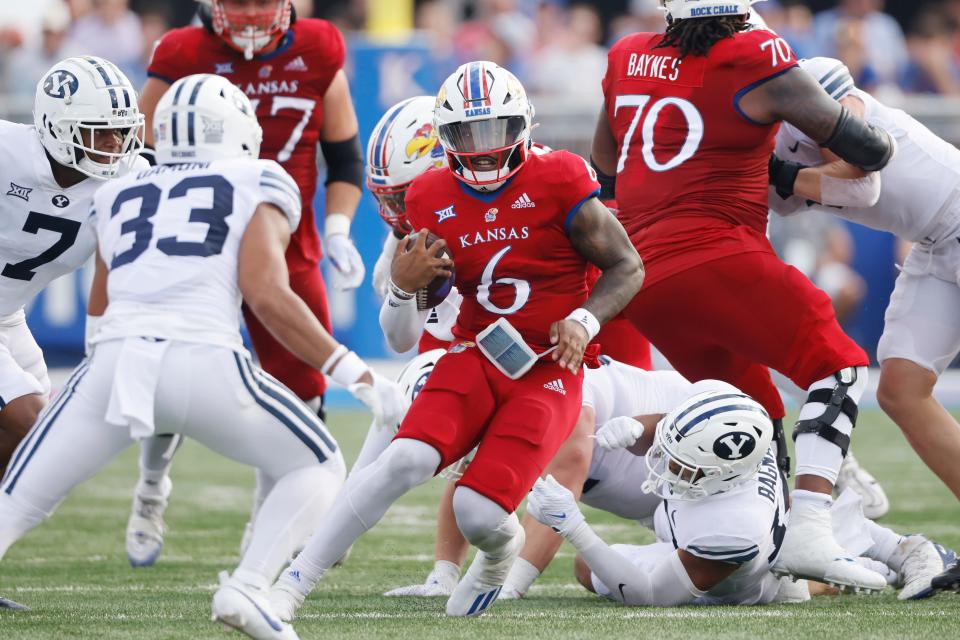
(522, 287)
(690, 144)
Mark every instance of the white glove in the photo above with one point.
(381, 270)
(552, 504)
(384, 399)
(619, 433)
(344, 256)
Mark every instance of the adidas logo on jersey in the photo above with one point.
(297, 64)
(523, 202)
(556, 385)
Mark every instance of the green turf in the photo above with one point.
(74, 573)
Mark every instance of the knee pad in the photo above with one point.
(838, 399)
(483, 522)
(410, 462)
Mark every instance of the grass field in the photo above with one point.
(73, 570)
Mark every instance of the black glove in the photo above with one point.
(782, 174)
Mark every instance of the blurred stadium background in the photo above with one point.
(906, 52)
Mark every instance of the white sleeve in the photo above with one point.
(653, 392)
(402, 322)
(661, 581)
(278, 188)
(860, 193)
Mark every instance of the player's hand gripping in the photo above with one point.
(344, 255)
(383, 397)
(571, 339)
(552, 504)
(381, 270)
(619, 433)
(414, 269)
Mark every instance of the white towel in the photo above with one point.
(134, 385)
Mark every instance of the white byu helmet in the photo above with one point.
(484, 119)
(204, 117)
(711, 443)
(833, 75)
(686, 9)
(78, 102)
(403, 145)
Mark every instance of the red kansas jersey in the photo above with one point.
(512, 254)
(286, 88)
(684, 148)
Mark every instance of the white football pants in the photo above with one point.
(208, 393)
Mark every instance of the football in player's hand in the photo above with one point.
(438, 289)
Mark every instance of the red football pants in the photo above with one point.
(731, 318)
(620, 340)
(519, 424)
(297, 375)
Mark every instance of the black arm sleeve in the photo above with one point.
(861, 144)
(344, 161)
(608, 184)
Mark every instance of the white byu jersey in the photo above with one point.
(744, 526)
(920, 187)
(170, 237)
(43, 227)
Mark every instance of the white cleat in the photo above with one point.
(481, 585)
(440, 582)
(146, 528)
(245, 608)
(873, 498)
(918, 560)
(809, 551)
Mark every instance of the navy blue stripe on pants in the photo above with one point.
(42, 428)
(253, 387)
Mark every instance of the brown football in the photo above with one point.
(438, 289)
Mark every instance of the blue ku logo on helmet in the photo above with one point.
(61, 84)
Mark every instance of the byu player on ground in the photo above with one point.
(178, 245)
(492, 388)
(916, 197)
(718, 537)
(86, 129)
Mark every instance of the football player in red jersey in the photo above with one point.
(521, 229)
(684, 140)
(292, 70)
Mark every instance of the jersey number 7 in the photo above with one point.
(68, 230)
(639, 102)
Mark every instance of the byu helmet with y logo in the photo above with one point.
(78, 102)
(204, 117)
(484, 120)
(712, 442)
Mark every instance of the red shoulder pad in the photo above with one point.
(760, 55)
(177, 53)
(326, 45)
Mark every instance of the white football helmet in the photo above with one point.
(484, 120)
(78, 102)
(712, 442)
(833, 75)
(403, 145)
(685, 9)
(204, 117)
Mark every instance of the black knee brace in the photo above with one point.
(837, 401)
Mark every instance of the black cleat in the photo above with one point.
(12, 606)
(949, 579)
